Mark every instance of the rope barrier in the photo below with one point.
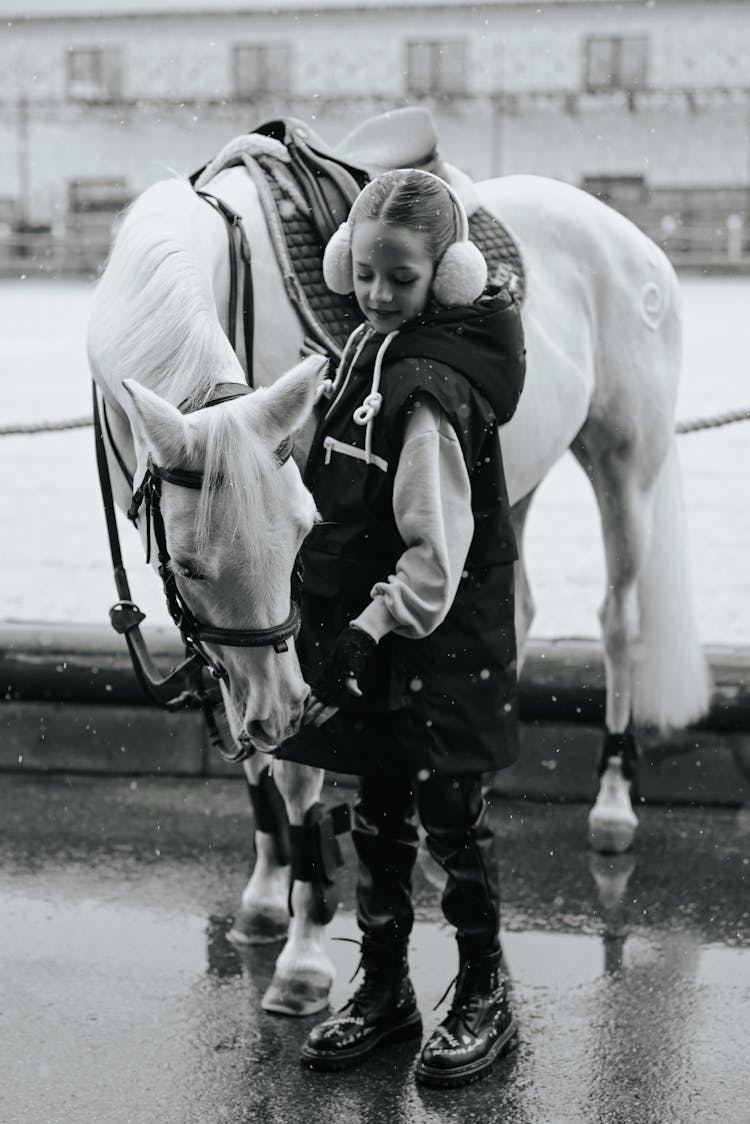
(712, 422)
(691, 426)
(46, 427)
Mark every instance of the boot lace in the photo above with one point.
(461, 1012)
(367, 992)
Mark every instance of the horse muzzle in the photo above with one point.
(267, 736)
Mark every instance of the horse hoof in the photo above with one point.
(255, 926)
(297, 995)
(611, 837)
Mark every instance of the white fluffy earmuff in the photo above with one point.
(460, 276)
(338, 272)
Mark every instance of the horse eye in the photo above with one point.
(188, 571)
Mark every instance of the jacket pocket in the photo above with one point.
(333, 445)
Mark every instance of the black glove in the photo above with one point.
(347, 661)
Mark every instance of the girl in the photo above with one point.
(408, 640)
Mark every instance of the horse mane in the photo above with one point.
(241, 472)
(153, 316)
(153, 319)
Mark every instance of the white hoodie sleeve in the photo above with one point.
(432, 508)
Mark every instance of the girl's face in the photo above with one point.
(393, 273)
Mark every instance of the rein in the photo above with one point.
(183, 685)
(235, 235)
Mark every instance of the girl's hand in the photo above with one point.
(339, 676)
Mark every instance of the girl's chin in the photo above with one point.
(384, 324)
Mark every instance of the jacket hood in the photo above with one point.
(476, 340)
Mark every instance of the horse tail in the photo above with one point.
(671, 682)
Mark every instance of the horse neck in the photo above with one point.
(153, 316)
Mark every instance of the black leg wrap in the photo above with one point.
(269, 814)
(624, 746)
(316, 856)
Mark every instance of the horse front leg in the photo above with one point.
(304, 971)
(263, 916)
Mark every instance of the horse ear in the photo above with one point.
(284, 407)
(156, 423)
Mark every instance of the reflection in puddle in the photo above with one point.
(98, 934)
(612, 1022)
(154, 942)
(223, 958)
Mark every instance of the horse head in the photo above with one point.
(231, 537)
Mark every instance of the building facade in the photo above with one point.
(645, 102)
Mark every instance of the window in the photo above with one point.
(620, 192)
(8, 215)
(261, 69)
(435, 67)
(92, 194)
(615, 63)
(94, 73)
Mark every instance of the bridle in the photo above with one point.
(183, 686)
(194, 632)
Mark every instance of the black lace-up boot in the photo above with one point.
(383, 1009)
(478, 1028)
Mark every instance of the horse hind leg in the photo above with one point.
(304, 971)
(263, 915)
(625, 510)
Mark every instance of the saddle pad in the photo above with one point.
(340, 315)
(500, 251)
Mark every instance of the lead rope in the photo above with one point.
(370, 408)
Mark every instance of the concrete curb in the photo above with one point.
(72, 704)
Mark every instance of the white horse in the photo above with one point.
(233, 534)
(603, 335)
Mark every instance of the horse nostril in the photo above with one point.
(258, 734)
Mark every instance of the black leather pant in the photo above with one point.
(459, 837)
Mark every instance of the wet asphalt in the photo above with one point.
(122, 1001)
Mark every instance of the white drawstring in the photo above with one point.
(369, 408)
(365, 414)
(329, 386)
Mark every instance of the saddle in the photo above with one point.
(307, 188)
(331, 178)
